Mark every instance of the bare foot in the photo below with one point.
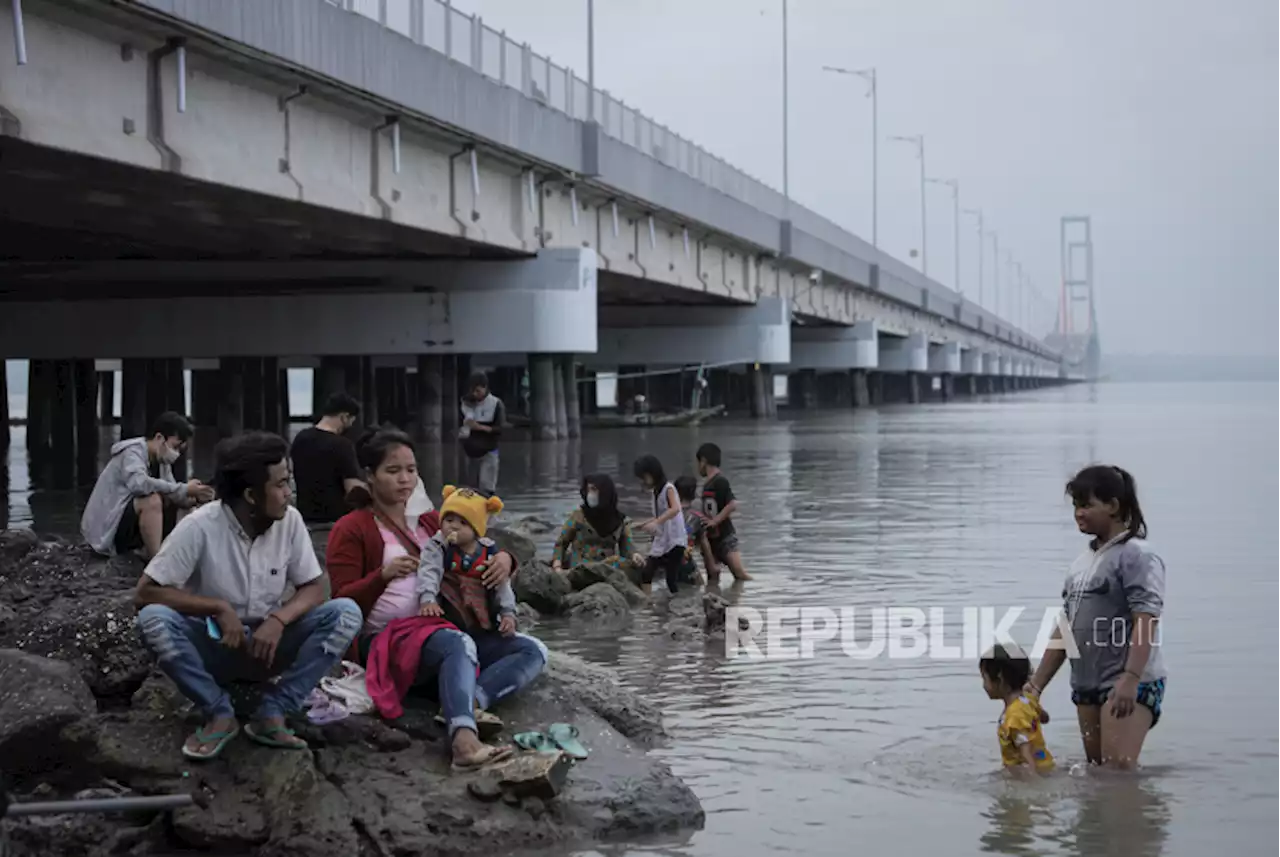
(470, 753)
(273, 732)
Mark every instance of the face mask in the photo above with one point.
(593, 499)
(168, 454)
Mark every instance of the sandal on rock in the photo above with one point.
(487, 725)
(488, 757)
(538, 742)
(566, 738)
(264, 735)
(222, 739)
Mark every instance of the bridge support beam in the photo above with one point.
(690, 336)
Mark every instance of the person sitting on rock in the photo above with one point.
(373, 555)
(212, 601)
(450, 586)
(126, 510)
(596, 531)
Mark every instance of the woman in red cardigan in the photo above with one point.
(372, 558)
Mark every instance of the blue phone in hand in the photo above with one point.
(215, 631)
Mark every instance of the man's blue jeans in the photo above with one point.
(506, 665)
(199, 665)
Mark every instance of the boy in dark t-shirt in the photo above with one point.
(718, 505)
(324, 462)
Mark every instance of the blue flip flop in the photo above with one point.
(539, 742)
(222, 739)
(565, 736)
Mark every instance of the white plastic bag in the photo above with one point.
(419, 503)
(349, 690)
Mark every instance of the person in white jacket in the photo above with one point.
(126, 510)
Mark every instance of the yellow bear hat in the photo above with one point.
(471, 507)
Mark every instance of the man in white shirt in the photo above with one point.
(212, 608)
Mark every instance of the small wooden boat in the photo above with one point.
(687, 417)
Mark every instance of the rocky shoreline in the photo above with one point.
(82, 712)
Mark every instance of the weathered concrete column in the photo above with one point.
(948, 387)
(271, 395)
(859, 387)
(429, 385)
(875, 388)
(133, 398)
(286, 407)
(913, 387)
(572, 407)
(175, 386)
(254, 389)
(230, 397)
(106, 398)
(4, 406)
(62, 428)
(560, 394)
(41, 389)
(450, 398)
(770, 397)
(802, 389)
(330, 378)
(204, 397)
(86, 395)
(542, 396)
(588, 395)
(368, 390)
(759, 401)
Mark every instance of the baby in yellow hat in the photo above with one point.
(451, 571)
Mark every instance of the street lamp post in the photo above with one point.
(918, 141)
(869, 75)
(954, 184)
(995, 273)
(977, 212)
(591, 60)
(786, 128)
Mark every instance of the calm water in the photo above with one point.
(947, 506)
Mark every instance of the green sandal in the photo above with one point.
(538, 742)
(566, 738)
(222, 739)
(265, 738)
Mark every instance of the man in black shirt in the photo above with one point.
(324, 462)
(718, 505)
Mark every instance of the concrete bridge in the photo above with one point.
(399, 190)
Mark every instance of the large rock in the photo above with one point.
(516, 542)
(40, 700)
(585, 574)
(620, 581)
(66, 602)
(599, 605)
(540, 587)
(362, 788)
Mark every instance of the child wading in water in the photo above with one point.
(666, 525)
(1113, 598)
(719, 504)
(1022, 748)
(695, 528)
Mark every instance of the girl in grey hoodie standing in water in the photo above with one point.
(1113, 598)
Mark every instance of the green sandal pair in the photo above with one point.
(559, 737)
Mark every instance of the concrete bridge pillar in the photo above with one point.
(542, 396)
(106, 398)
(802, 389)
(861, 390)
(572, 408)
(85, 378)
(430, 386)
(947, 389)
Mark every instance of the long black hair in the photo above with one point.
(649, 465)
(604, 518)
(1108, 483)
(371, 450)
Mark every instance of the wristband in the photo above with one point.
(1134, 674)
(283, 624)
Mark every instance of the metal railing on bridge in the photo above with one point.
(468, 40)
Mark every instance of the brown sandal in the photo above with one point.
(492, 754)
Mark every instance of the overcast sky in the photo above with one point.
(1158, 118)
